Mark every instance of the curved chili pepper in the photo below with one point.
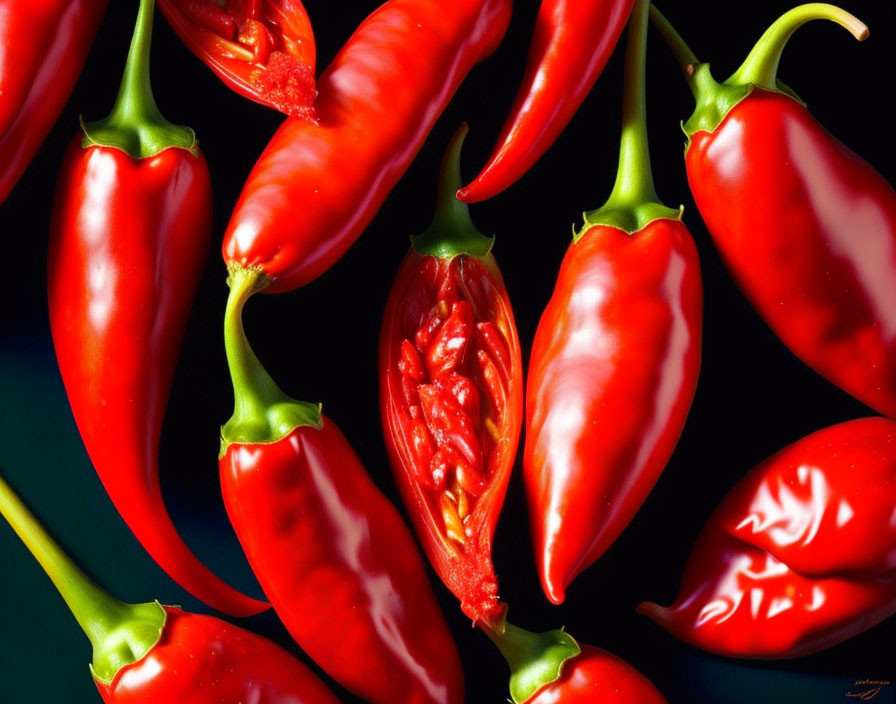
(329, 550)
(572, 42)
(317, 186)
(615, 359)
(129, 236)
(807, 228)
(451, 394)
(45, 44)
(262, 50)
(801, 554)
(149, 653)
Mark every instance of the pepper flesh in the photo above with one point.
(317, 186)
(801, 554)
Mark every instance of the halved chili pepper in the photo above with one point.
(128, 241)
(807, 228)
(615, 359)
(149, 653)
(801, 554)
(331, 553)
(572, 42)
(264, 50)
(451, 394)
(45, 44)
(317, 186)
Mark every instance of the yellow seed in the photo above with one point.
(443, 308)
(493, 429)
(463, 504)
(454, 527)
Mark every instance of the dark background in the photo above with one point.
(320, 344)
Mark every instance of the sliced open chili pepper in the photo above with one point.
(801, 554)
(331, 553)
(807, 228)
(263, 49)
(149, 653)
(572, 42)
(45, 44)
(615, 359)
(128, 241)
(451, 395)
(317, 186)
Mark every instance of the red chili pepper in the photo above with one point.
(129, 236)
(451, 395)
(262, 50)
(45, 43)
(807, 227)
(331, 553)
(149, 653)
(570, 46)
(801, 555)
(317, 186)
(615, 359)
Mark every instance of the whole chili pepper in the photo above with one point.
(801, 554)
(149, 653)
(331, 553)
(451, 394)
(549, 668)
(317, 186)
(45, 44)
(807, 228)
(129, 236)
(615, 359)
(570, 46)
(262, 50)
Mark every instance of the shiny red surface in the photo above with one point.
(127, 246)
(612, 375)
(204, 660)
(570, 46)
(340, 567)
(317, 186)
(494, 394)
(809, 231)
(801, 555)
(43, 45)
(262, 50)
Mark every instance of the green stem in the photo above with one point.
(120, 633)
(686, 58)
(135, 124)
(452, 231)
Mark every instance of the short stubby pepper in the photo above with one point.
(801, 554)
(451, 395)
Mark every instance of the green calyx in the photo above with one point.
(452, 231)
(135, 124)
(262, 412)
(633, 203)
(535, 659)
(121, 634)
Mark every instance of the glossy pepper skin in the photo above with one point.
(331, 553)
(451, 395)
(317, 185)
(262, 50)
(801, 554)
(572, 41)
(45, 44)
(128, 241)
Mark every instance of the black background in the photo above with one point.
(320, 344)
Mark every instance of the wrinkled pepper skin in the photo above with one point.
(451, 400)
(612, 375)
(204, 660)
(128, 243)
(339, 567)
(43, 46)
(801, 554)
(815, 253)
(318, 185)
(561, 69)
